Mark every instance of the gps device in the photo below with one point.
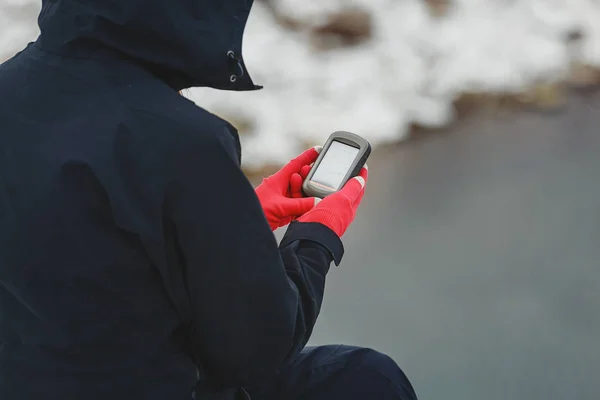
(342, 157)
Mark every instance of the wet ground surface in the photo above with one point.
(475, 259)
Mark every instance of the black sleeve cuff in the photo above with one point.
(317, 233)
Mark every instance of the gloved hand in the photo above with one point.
(280, 194)
(337, 210)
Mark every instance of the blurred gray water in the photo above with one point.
(474, 260)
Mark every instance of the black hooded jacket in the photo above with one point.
(135, 259)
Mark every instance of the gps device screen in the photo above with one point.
(335, 165)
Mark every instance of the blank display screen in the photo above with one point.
(335, 164)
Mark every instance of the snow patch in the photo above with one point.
(409, 72)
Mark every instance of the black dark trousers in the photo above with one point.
(338, 372)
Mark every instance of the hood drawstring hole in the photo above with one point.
(231, 54)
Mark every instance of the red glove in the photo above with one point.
(337, 210)
(280, 195)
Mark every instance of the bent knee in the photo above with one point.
(388, 369)
(376, 360)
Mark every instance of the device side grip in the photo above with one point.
(361, 162)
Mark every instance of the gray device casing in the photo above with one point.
(348, 138)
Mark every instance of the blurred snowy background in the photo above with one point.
(382, 67)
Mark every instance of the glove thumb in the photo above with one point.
(298, 207)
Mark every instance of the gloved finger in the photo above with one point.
(364, 173)
(357, 202)
(298, 207)
(354, 187)
(304, 171)
(294, 166)
(296, 186)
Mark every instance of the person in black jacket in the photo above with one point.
(136, 260)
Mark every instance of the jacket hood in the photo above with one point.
(184, 42)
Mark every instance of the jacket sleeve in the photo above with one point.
(254, 303)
